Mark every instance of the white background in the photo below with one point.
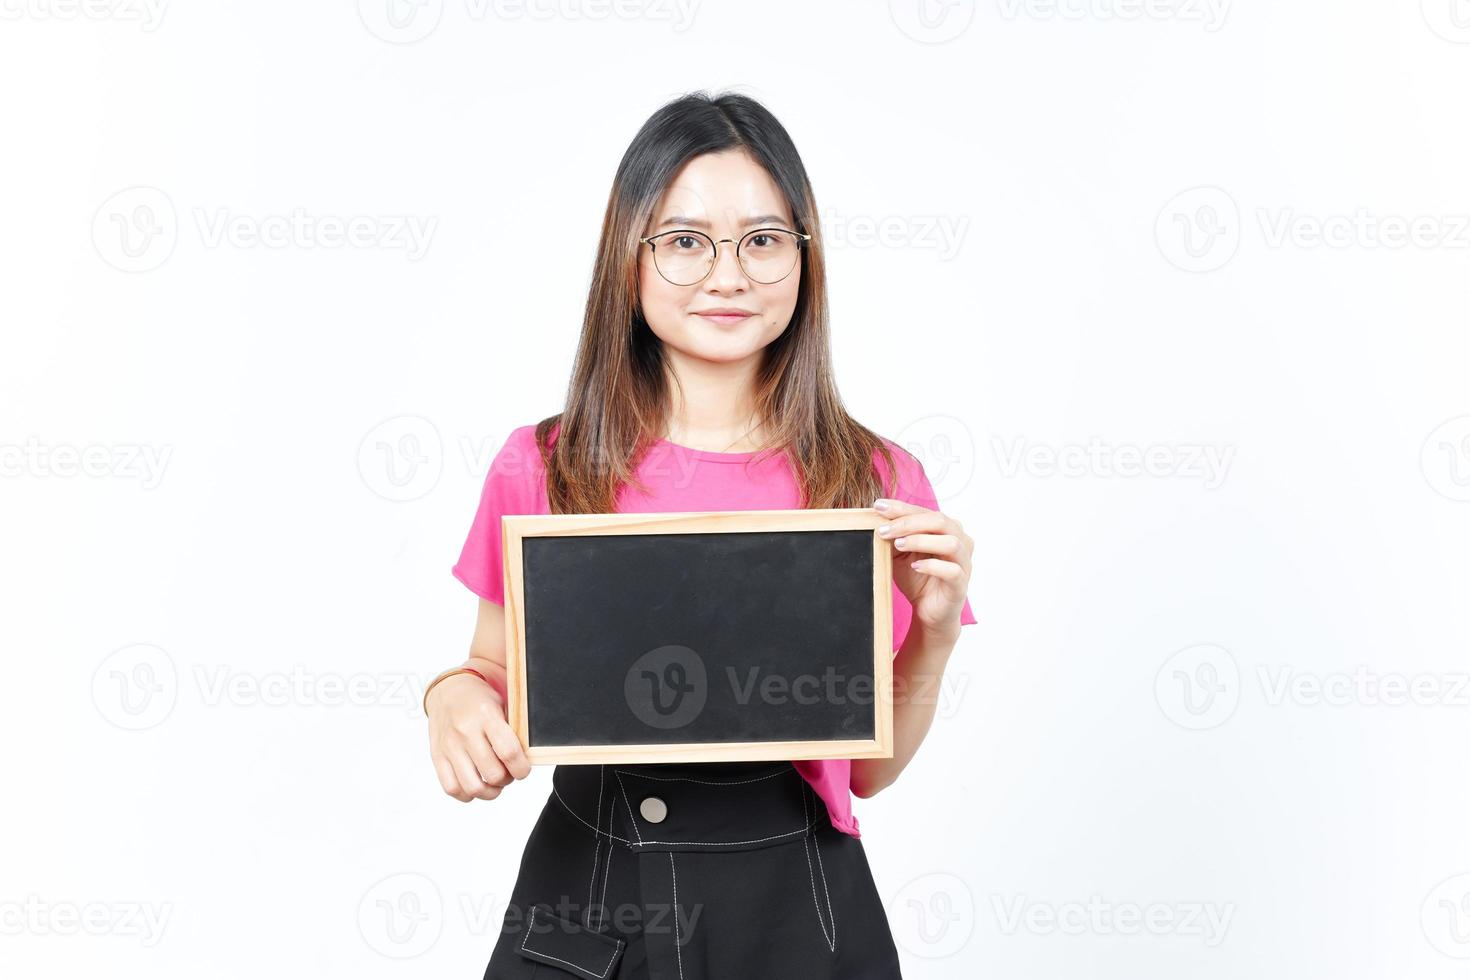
(1226, 698)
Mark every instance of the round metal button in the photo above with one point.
(653, 809)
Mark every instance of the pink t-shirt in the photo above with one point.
(682, 479)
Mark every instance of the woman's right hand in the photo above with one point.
(475, 751)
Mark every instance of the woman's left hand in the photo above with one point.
(931, 562)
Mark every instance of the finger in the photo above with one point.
(469, 776)
(486, 763)
(508, 748)
(924, 520)
(930, 544)
(893, 507)
(447, 779)
(939, 568)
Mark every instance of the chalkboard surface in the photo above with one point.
(725, 644)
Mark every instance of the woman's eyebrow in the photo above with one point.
(760, 219)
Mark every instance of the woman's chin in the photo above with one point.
(723, 349)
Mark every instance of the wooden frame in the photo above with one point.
(515, 528)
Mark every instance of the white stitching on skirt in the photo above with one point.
(596, 848)
(532, 922)
(726, 843)
(678, 947)
(707, 782)
(606, 873)
(631, 818)
(822, 870)
(583, 822)
(831, 939)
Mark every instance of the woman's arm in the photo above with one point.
(487, 650)
(487, 646)
(918, 675)
(932, 558)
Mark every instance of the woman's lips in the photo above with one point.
(725, 318)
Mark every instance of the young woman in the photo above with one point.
(702, 382)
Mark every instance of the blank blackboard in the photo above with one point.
(742, 635)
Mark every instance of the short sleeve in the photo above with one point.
(515, 484)
(914, 487)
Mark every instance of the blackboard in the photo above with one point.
(710, 636)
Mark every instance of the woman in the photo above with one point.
(702, 382)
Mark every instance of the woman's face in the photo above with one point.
(724, 195)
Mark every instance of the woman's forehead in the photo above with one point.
(722, 189)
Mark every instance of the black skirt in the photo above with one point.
(701, 871)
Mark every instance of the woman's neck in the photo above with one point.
(713, 410)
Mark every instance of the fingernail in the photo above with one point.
(884, 528)
(881, 505)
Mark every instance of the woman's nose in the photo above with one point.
(727, 271)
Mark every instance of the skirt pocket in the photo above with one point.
(556, 941)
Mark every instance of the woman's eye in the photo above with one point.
(769, 241)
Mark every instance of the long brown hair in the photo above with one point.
(618, 391)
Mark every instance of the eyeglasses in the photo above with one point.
(685, 257)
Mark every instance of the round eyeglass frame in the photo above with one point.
(801, 240)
